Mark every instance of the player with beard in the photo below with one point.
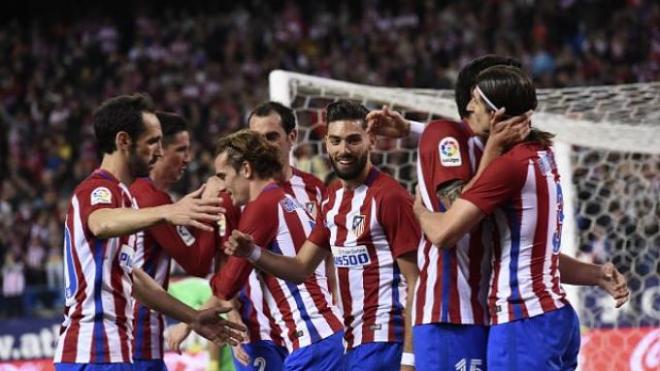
(450, 297)
(99, 243)
(366, 223)
(265, 349)
(194, 251)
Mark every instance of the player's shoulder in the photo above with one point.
(385, 187)
(438, 129)
(98, 181)
(147, 194)
(308, 178)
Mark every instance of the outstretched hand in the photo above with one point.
(387, 123)
(614, 283)
(193, 211)
(210, 325)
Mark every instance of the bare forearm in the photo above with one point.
(285, 267)
(575, 272)
(107, 223)
(151, 294)
(433, 227)
(407, 339)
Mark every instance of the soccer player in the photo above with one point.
(450, 300)
(266, 350)
(194, 250)
(366, 223)
(533, 326)
(302, 313)
(99, 243)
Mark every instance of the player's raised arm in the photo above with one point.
(295, 269)
(188, 211)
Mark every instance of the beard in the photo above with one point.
(353, 170)
(137, 166)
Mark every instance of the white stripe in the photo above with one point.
(386, 276)
(431, 281)
(84, 345)
(256, 297)
(503, 288)
(552, 226)
(528, 223)
(421, 184)
(462, 275)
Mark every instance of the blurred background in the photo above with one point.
(209, 61)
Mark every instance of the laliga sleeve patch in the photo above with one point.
(450, 152)
(101, 195)
(185, 235)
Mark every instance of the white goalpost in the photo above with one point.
(608, 154)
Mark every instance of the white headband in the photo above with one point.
(485, 98)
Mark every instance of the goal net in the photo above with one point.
(608, 153)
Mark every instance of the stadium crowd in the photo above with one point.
(213, 68)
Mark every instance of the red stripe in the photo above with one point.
(540, 247)
(275, 331)
(497, 264)
(342, 273)
(252, 321)
(145, 345)
(370, 276)
(475, 257)
(454, 298)
(273, 285)
(70, 347)
(420, 295)
(437, 289)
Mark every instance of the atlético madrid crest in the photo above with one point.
(358, 224)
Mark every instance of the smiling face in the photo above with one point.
(176, 157)
(236, 183)
(348, 146)
(146, 149)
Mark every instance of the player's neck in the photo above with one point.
(257, 186)
(160, 183)
(117, 166)
(287, 173)
(351, 184)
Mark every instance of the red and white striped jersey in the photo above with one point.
(98, 311)
(521, 189)
(367, 229)
(453, 282)
(308, 191)
(155, 248)
(301, 314)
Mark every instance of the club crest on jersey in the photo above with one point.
(288, 204)
(185, 235)
(450, 152)
(101, 195)
(358, 224)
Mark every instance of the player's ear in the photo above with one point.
(246, 170)
(293, 136)
(123, 141)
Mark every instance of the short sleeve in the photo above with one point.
(500, 181)
(259, 219)
(320, 234)
(100, 194)
(396, 215)
(443, 155)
